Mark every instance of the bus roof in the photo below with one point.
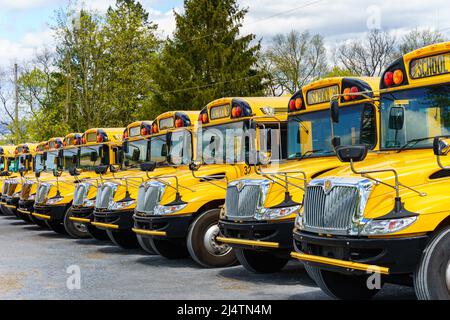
(317, 95)
(41, 146)
(54, 143)
(92, 136)
(173, 120)
(232, 108)
(72, 139)
(25, 148)
(425, 66)
(7, 151)
(137, 130)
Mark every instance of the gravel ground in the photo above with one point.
(34, 262)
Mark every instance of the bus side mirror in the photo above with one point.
(334, 111)
(57, 173)
(396, 118)
(194, 167)
(351, 153)
(441, 146)
(148, 166)
(136, 154)
(75, 172)
(94, 156)
(114, 168)
(125, 147)
(101, 169)
(336, 142)
(37, 174)
(164, 150)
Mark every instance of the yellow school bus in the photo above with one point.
(386, 219)
(179, 214)
(6, 167)
(86, 189)
(260, 209)
(117, 199)
(23, 164)
(53, 201)
(30, 181)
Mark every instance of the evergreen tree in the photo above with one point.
(207, 58)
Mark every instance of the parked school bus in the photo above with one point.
(118, 198)
(24, 156)
(260, 209)
(6, 167)
(54, 197)
(387, 216)
(85, 194)
(43, 165)
(183, 220)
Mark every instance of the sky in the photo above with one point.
(25, 24)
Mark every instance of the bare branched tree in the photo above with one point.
(416, 39)
(368, 56)
(293, 60)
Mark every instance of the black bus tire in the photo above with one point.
(146, 245)
(125, 239)
(170, 249)
(76, 230)
(97, 234)
(259, 261)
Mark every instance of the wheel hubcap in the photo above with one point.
(447, 276)
(213, 247)
(81, 227)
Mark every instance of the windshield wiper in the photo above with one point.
(311, 152)
(413, 142)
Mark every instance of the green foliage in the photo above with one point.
(207, 58)
(339, 72)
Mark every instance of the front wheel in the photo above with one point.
(145, 244)
(260, 262)
(170, 249)
(124, 239)
(432, 278)
(56, 226)
(341, 286)
(39, 222)
(97, 234)
(202, 244)
(76, 230)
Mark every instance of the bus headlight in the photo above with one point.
(277, 213)
(377, 227)
(299, 221)
(54, 200)
(163, 210)
(121, 205)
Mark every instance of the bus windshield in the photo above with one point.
(310, 133)
(39, 163)
(426, 114)
(92, 156)
(223, 143)
(159, 149)
(12, 165)
(2, 163)
(136, 153)
(180, 147)
(51, 162)
(70, 156)
(21, 163)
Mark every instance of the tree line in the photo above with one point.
(110, 69)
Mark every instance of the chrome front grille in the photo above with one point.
(80, 194)
(243, 198)
(335, 205)
(5, 187)
(26, 190)
(12, 186)
(105, 195)
(149, 196)
(42, 193)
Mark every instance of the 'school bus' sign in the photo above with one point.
(220, 112)
(430, 66)
(321, 95)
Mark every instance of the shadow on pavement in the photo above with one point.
(112, 249)
(34, 228)
(292, 274)
(161, 262)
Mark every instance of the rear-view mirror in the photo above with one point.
(101, 169)
(396, 118)
(351, 153)
(94, 156)
(334, 111)
(148, 166)
(441, 146)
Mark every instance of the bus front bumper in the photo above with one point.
(162, 226)
(82, 215)
(26, 207)
(53, 213)
(11, 203)
(352, 255)
(113, 220)
(257, 235)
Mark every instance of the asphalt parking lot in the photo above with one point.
(34, 265)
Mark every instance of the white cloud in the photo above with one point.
(26, 4)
